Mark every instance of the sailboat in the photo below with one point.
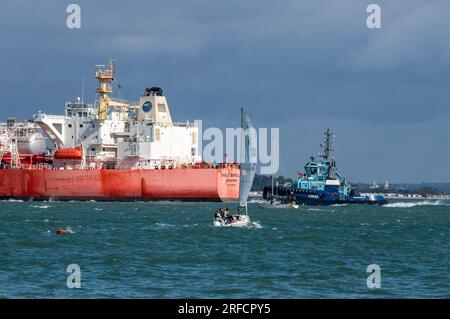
(247, 166)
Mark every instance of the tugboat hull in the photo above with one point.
(370, 200)
(310, 197)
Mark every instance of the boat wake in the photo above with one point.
(61, 231)
(69, 230)
(414, 204)
(255, 225)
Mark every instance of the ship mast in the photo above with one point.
(328, 140)
(105, 76)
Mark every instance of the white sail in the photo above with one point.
(248, 158)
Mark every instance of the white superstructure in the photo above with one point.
(123, 134)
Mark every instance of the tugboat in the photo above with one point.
(322, 184)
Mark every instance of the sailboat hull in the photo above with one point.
(244, 220)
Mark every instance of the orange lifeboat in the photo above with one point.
(69, 153)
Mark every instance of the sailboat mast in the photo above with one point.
(240, 159)
(273, 173)
(248, 159)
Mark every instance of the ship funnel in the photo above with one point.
(154, 91)
(153, 107)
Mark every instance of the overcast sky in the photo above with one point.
(298, 65)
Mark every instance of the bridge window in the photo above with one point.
(311, 170)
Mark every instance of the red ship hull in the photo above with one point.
(189, 184)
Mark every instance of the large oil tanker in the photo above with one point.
(112, 150)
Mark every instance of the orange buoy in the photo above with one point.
(60, 231)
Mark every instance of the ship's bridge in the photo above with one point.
(79, 109)
(317, 170)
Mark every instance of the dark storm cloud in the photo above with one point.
(298, 65)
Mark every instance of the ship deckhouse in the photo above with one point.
(118, 133)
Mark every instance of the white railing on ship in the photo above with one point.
(178, 124)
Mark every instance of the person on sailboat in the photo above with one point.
(217, 215)
(228, 217)
(238, 214)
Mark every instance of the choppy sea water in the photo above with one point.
(172, 250)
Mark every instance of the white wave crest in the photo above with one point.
(40, 206)
(165, 225)
(314, 209)
(413, 204)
